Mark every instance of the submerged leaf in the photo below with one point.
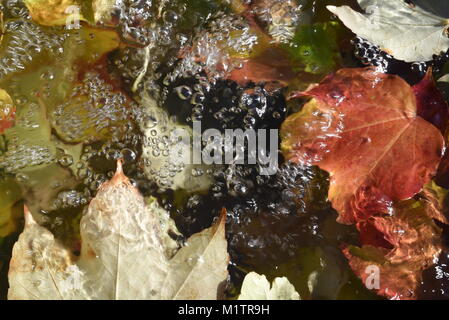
(403, 30)
(314, 48)
(257, 287)
(123, 255)
(272, 65)
(362, 127)
(411, 244)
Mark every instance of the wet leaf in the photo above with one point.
(436, 199)
(273, 65)
(314, 48)
(411, 244)
(431, 104)
(363, 128)
(257, 287)
(123, 255)
(403, 30)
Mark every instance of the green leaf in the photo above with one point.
(314, 48)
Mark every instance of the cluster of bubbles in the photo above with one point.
(26, 41)
(70, 199)
(14, 9)
(162, 28)
(213, 50)
(94, 110)
(281, 17)
(95, 166)
(21, 155)
(225, 104)
(372, 55)
(23, 151)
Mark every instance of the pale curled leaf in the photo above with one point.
(122, 257)
(405, 31)
(257, 287)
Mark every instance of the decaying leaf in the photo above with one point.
(396, 249)
(257, 287)
(362, 127)
(406, 31)
(122, 256)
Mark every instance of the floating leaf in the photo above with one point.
(123, 255)
(406, 31)
(257, 287)
(362, 127)
(411, 244)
